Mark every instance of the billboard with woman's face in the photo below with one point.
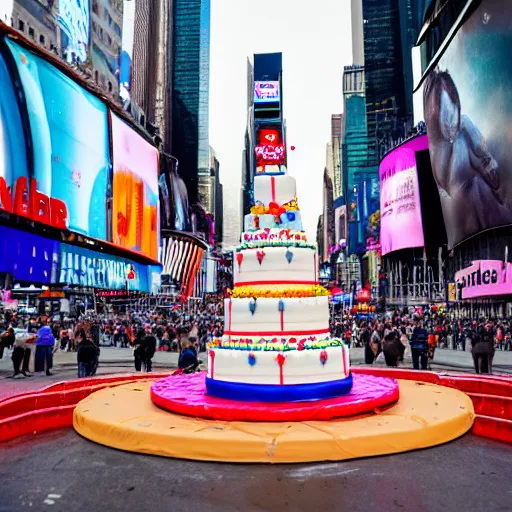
(468, 107)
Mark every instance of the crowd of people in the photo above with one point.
(183, 328)
(396, 338)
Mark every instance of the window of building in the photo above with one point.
(42, 39)
(109, 86)
(21, 26)
(96, 76)
(31, 33)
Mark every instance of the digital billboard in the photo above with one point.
(484, 278)
(266, 92)
(27, 257)
(135, 190)
(13, 150)
(74, 20)
(468, 110)
(91, 269)
(70, 151)
(400, 208)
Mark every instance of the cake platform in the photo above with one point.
(185, 394)
(125, 418)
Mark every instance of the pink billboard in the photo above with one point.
(401, 226)
(484, 278)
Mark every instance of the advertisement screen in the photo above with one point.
(91, 269)
(266, 92)
(13, 151)
(401, 225)
(75, 22)
(484, 278)
(269, 137)
(468, 110)
(135, 190)
(269, 155)
(70, 147)
(27, 257)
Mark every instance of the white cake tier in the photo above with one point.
(275, 265)
(274, 189)
(299, 367)
(307, 317)
(288, 220)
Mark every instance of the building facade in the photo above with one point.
(190, 71)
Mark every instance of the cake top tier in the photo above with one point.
(279, 191)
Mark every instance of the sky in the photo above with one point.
(316, 44)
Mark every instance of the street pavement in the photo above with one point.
(61, 471)
(120, 360)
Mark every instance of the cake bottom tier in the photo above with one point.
(271, 376)
(278, 393)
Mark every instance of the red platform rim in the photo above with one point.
(186, 395)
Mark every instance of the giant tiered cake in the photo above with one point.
(276, 344)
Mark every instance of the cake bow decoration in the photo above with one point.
(276, 210)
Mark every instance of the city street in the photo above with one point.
(71, 474)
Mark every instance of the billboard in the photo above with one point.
(74, 20)
(27, 257)
(468, 110)
(266, 92)
(70, 151)
(135, 190)
(484, 278)
(91, 269)
(400, 223)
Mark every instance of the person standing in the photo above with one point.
(44, 350)
(369, 355)
(419, 346)
(87, 355)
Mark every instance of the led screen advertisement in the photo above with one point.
(70, 151)
(266, 92)
(27, 257)
(269, 150)
(484, 278)
(74, 20)
(468, 110)
(91, 269)
(135, 190)
(400, 223)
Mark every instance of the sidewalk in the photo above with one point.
(120, 361)
(112, 361)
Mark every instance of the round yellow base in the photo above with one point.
(125, 418)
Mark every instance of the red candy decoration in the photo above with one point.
(280, 358)
(239, 259)
(323, 357)
(260, 255)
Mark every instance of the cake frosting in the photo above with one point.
(276, 344)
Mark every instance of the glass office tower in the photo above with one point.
(190, 140)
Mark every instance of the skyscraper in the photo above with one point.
(356, 11)
(190, 140)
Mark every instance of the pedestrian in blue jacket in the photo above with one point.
(44, 350)
(419, 346)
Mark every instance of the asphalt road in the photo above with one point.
(62, 471)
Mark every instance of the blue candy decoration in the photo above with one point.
(252, 307)
(281, 305)
(251, 359)
(291, 216)
(289, 255)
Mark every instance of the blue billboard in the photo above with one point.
(91, 269)
(70, 145)
(74, 20)
(27, 257)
